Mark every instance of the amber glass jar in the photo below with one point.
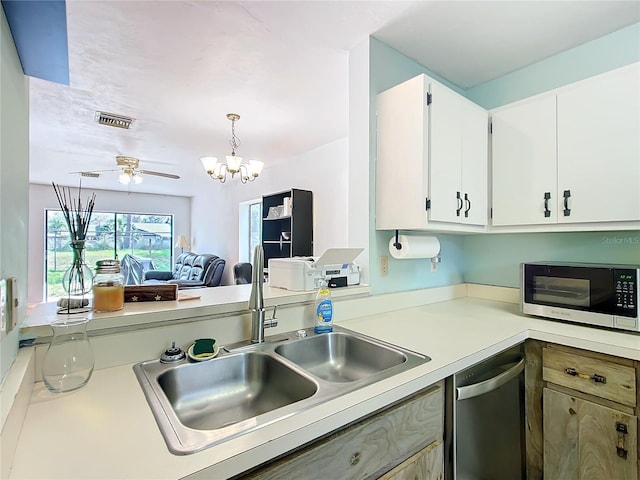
(108, 287)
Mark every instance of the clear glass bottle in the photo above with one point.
(69, 361)
(108, 287)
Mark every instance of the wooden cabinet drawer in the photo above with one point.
(595, 376)
(427, 464)
(368, 446)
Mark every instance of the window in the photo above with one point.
(110, 235)
(250, 229)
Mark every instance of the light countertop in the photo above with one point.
(224, 300)
(107, 430)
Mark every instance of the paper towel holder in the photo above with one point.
(398, 246)
(397, 243)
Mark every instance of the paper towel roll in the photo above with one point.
(414, 247)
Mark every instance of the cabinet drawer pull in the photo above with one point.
(595, 377)
(459, 209)
(621, 428)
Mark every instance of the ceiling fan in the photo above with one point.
(129, 171)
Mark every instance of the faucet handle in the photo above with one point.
(273, 321)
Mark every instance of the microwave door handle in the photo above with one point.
(480, 388)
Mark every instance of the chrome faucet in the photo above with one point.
(256, 299)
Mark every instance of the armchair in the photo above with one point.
(190, 270)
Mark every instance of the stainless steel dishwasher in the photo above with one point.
(485, 420)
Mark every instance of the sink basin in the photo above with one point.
(211, 395)
(341, 357)
(197, 405)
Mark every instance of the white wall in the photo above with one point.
(42, 197)
(324, 171)
(14, 178)
(361, 172)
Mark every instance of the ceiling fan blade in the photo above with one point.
(159, 174)
(91, 174)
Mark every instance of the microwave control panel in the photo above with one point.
(626, 292)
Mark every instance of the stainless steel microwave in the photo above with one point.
(593, 294)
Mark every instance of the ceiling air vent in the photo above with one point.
(113, 120)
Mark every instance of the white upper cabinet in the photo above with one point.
(599, 148)
(570, 156)
(523, 145)
(431, 159)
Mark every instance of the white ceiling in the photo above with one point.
(178, 67)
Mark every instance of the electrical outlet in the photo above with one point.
(384, 265)
(11, 303)
(434, 267)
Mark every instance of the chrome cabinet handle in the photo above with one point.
(468, 202)
(459, 209)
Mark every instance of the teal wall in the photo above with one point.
(494, 259)
(14, 181)
(598, 56)
(387, 69)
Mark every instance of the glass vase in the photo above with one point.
(69, 361)
(78, 278)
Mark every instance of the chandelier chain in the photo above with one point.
(235, 141)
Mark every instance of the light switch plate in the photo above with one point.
(3, 306)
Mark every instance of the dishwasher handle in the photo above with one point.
(480, 388)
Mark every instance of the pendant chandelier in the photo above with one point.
(248, 172)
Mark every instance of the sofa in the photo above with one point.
(190, 270)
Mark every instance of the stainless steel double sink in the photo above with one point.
(197, 405)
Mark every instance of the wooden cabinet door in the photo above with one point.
(598, 148)
(427, 464)
(582, 440)
(523, 165)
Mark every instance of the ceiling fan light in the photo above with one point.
(137, 178)
(124, 178)
(255, 167)
(233, 163)
(209, 163)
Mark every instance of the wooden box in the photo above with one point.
(150, 293)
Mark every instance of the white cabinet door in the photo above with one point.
(445, 156)
(523, 143)
(458, 158)
(599, 148)
(402, 157)
(431, 165)
(475, 164)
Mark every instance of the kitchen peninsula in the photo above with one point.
(111, 430)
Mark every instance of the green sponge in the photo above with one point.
(204, 347)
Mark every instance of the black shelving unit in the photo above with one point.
(287, 235)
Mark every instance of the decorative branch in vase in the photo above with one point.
(78, 277)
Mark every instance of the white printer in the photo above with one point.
(335, 266)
